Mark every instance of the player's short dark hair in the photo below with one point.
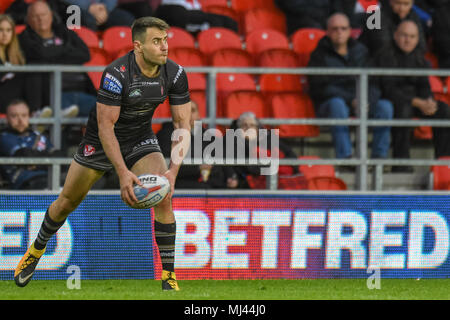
(140, 26)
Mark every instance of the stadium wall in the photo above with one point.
(239, 236)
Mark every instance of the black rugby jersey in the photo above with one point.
(124, 85)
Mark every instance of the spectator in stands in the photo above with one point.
(305, 13)
(411, 96)
(356, 10)
(44, 41)
(391, 15)
(188, 14)
(238, 176)
(19, 140)
(202, 176)
(18, 10)
(440, 35)
(335, 96)
(14, 85)
(102, 14)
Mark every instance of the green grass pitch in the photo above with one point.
(318, 289)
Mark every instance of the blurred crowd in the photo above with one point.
(411, 34)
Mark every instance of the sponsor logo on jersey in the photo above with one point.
(112, 84)
(135, 93)
(180, 69)
(88, 150)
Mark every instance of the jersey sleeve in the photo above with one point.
(179, 89)
(111, 87)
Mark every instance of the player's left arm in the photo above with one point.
(181, 139)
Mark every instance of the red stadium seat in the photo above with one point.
(304, 41)
(206, 3)
(441, 176)
(98, 58)
(178, 37)
(224, 11)
(264, 39)
(4, 4)
(231, 57)
(88, 36)
(197, 81)
(432, 59)
(229, 82)
(264, 19)
(316, 170)
(243, 6)
(282, 58)
(187, 57)
(243, 101)
(326, 183)
(213, 39)
(294, 105)
(19, 28)
(278, 83)
(117, 39)
(199, 96)
(162, 111)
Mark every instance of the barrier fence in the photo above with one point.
(362, 123)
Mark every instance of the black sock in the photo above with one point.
(165, 239)
(48, 229)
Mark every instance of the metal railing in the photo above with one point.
(362, 123)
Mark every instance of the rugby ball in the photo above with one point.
(153, 190)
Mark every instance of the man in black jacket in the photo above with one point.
(440, 33)
(335, 96)
(411, 96)
(44, 41)
(392, 14)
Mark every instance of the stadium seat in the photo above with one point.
(88, 36)
(199, 96)
(326, 183)
(224, 11)
(294, 105)
(162, 111)
(229, 82)
(231, 57)
(116, 39)
(197, 81)
(243, 6)
(432, 59)
(271, 84)
(278, 57)
(187, 57)
(294, 182)
(98, 58)
(4, 4)
(441, 176)
(316, 170)
(304, 41)
(206, 3)
(19, 28)
(264, 19)
(178, 37)
(243, 101)
(264, 39)
(213, 39)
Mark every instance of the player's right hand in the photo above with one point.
(127, 180)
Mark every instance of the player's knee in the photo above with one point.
(67, 204)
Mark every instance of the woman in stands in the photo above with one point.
(13, 85)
